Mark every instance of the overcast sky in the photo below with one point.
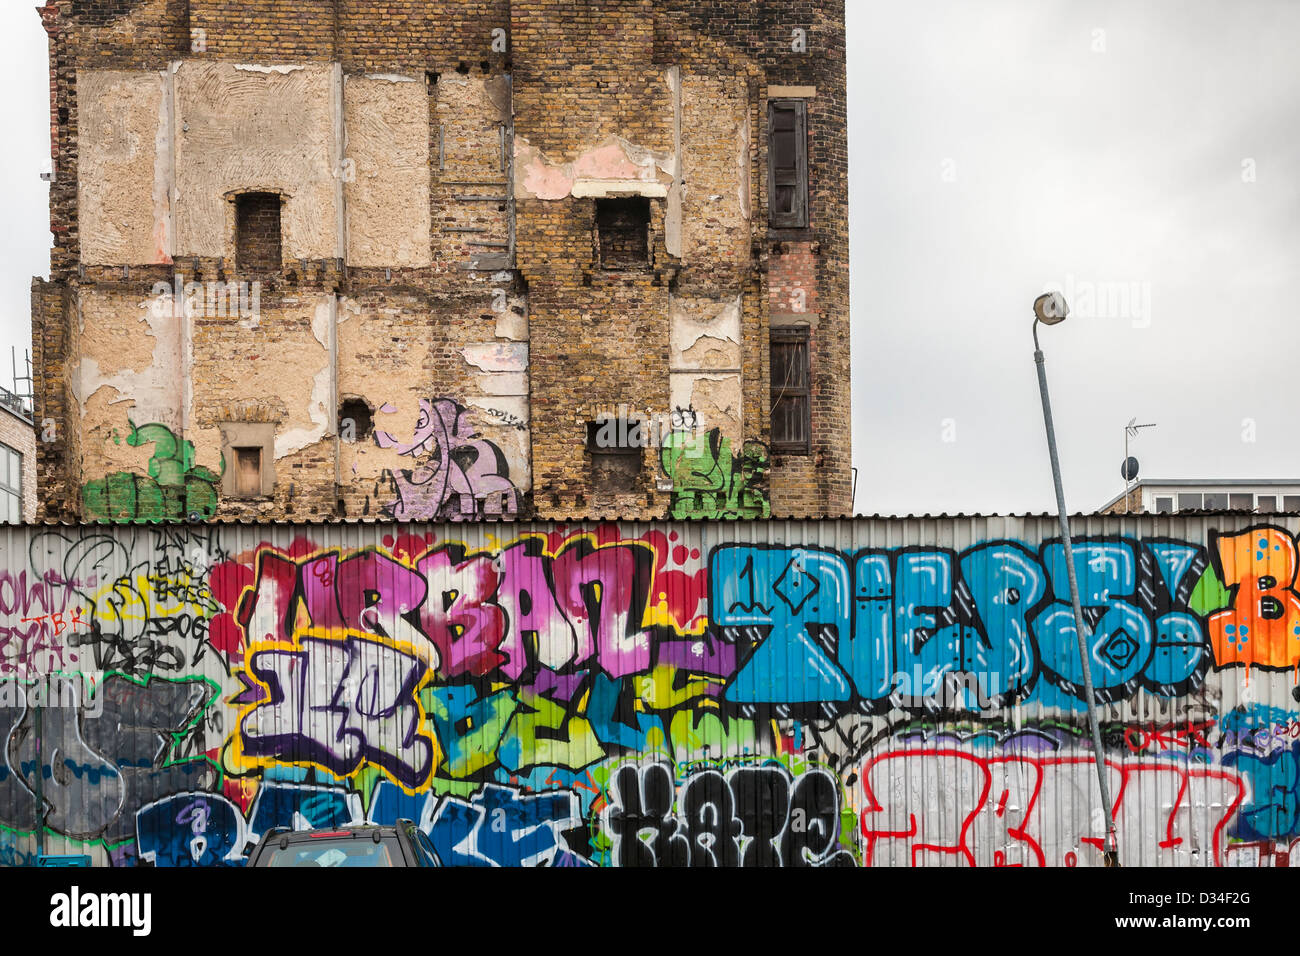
(1140, 156)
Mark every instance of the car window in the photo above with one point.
(349, 852)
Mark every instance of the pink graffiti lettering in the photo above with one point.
(954, 808)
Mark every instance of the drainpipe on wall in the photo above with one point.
(334, 396)
(40, 785)
(340, 252)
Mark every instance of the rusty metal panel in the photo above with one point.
(845, 692)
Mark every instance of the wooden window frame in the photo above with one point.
(798, 217)
(792, 335)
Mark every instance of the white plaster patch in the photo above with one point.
(321, 390)
(256, 68)
(512, 325)
(509, 407)
(716, 399)
(687, 329)
(390, 77)
(497, 356)
(600, 188)
(153, 389)
(502, 383)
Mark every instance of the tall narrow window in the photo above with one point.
(257, 232)
(11, 486)
(787, 163)
(623, 228)
(248, 471)
(791, 392)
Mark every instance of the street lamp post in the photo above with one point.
(1049, 309)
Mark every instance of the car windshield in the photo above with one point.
(345, 851)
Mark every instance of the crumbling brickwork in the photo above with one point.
(265, 212)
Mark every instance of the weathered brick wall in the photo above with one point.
(503, 321)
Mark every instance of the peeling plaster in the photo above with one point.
(151, 389)
(390, 77)
(497, 356)
(615, 165)
(600, 188)
(502, 383)
(255, 68)
(318, 405)
(716, 398)
(687, 330)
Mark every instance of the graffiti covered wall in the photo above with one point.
(851, 693)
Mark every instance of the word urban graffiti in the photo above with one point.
(709, 482)
(176, 489)
(619, 695)
(461, 476)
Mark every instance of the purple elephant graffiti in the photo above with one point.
(460, 476)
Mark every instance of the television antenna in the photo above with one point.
(1129, 469)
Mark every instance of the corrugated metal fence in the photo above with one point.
(857, 692)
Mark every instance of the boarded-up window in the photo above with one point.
(787, 162)
(248, 471)
(257, 232)
(791, 392)
(615, 462)
(623, 228)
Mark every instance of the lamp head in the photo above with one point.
(1050, 308)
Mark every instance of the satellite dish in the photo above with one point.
(1050, 308)
(1129, 470)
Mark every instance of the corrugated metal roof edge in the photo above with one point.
(910, 516)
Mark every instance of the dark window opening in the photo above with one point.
(356, 420)
(1291, 503)
(787, 162)
(615, 465)
(257, 232)
(1267, 503)
(248, 471)
(1242, 502)
(623, 226)
(791, 392)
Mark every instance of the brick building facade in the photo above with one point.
(17, 460)
(432, 260)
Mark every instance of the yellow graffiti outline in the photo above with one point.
(245, 764)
